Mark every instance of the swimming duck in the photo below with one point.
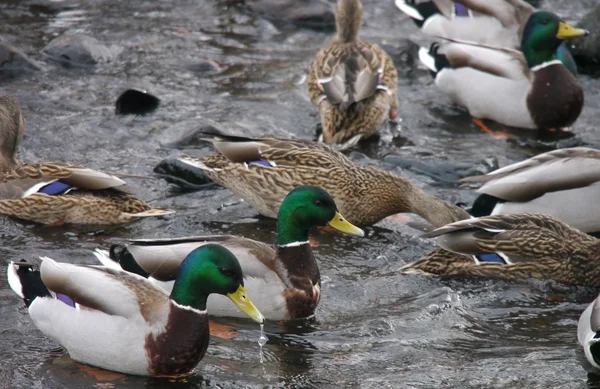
(529, 89)
(562, 183)
(588, 333)
(284, 279)
(512, 246)
(57, 193)
(352, 83)
(120, 321)
(263, 171)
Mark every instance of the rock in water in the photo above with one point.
(586, 50)
(79, 49)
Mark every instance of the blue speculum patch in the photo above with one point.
(55, 188)
(490, 258)
(66, 299)
(261, 163)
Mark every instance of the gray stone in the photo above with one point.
(79, 49)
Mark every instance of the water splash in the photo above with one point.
(262, 340)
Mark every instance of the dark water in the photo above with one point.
(375, 328)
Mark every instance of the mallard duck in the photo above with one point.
(512, 246)
(284, 279)
(562, 183)
(352, 83)
(58, 193)
(120, 321)
(529, 89)
(588, 333)
(263, 171)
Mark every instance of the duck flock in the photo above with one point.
(143, 310)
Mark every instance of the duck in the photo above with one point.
(284, 278)
(492, 22)
(119, 321)
(352, 83)
(588, 333)
(55, 193)
(263, 170)
(563, 183)
(512, 246)
(528, 89)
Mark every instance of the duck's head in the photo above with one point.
(212, 269)
(306, 207)
(542, 34)
(12, 126)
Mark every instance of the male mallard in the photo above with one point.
(588, 333)
(562, 183)
(284, 280)
(120, 321)
(352, 83)
(263, 171)
(529, 89)
(57, 193)
(513, 246)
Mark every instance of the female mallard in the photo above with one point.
(588, 333)
(513, 246)
(120, 321)
(263, 171)
(562, 183)
(57, 193)
(352, 83)
(529, 89)
(284, 280)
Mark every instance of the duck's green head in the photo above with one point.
(306, 207)
(542, 35)
(212, 269)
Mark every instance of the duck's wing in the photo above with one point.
(32, 178)
(512, 237)
(111, 291)
(553, 171)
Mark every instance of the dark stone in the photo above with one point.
(586, 50)
(136, 101)
(186, 177)
(78, 50)
(13, 59)
(205, 66)
(313, 14)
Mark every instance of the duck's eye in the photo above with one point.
(319, 203)
(544, 22)
(226, 272)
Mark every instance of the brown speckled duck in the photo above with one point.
(263, 171)
(352, 83)
(284, 279)
(57, 193)
(513, 246)
(120, 321)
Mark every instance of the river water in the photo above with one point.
(374, 328)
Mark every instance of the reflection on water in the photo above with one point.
(216, 61)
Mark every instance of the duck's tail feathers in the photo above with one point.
(104, 258)
(419, 13)
(193, 162)
(26, 281)
(433, 59)
(119, 257)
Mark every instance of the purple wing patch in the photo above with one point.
(66, 299)
(460, 10)
(261, 163)
(56, 188)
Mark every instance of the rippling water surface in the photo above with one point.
(374, 327)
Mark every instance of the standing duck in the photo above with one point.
(352, 83)
(512, 246)
(120, 321)
(57, 193)
(263, 171)
(283, 279)
(531, 89)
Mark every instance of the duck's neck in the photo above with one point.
(289, 233)
(348, 17)
(188, 294)
(407, 197)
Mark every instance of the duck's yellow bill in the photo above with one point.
(566, 31)
(241, 299)
(339, 223)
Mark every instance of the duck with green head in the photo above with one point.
(528, 89)
(120, 321)
(284, 279)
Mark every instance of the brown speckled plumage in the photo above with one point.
(96, 198)
(363, 194)
(352, 83)
(538, 246)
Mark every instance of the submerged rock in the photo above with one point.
(79, 49)
(313, 14)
